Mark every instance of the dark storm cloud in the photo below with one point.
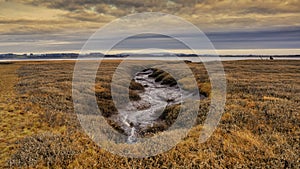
(286, 38)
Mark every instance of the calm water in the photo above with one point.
(193, 59)
(206, 59)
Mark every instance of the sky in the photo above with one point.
(233, 26)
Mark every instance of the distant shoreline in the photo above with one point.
(166, 58)
(98, 54)
(151, 56)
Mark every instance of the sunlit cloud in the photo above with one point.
(217, 15)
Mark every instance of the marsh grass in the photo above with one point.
(259, 128)
(44, 149)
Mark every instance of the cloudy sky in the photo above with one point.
(232, 25)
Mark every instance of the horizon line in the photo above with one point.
(221, 52)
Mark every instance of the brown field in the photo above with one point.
(260, 127)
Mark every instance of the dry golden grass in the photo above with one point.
(16, 121)
(260, 126)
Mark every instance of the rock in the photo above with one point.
(170, 100)
(142, 105)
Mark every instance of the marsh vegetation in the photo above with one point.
(259, 128)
